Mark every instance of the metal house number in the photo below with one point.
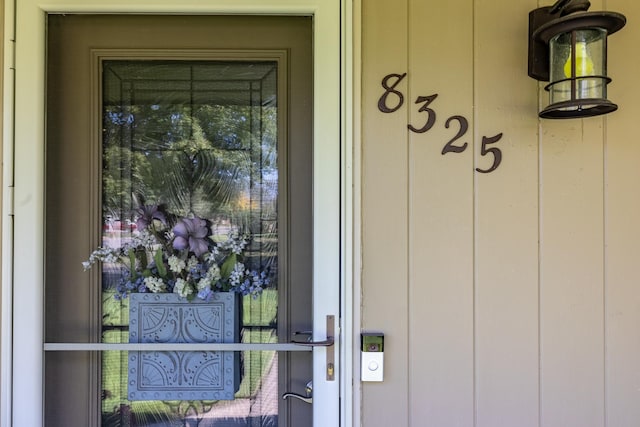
(391, 81)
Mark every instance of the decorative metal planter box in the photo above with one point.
(183, 375)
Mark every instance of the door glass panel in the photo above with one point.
(192, 139)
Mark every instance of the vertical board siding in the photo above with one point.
(572, 271)
(571, 293)
(506, 238)
(441, 217)
(622, 226)
(384, 207)
(450, 258)
(516, 298)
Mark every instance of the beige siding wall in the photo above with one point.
(510, 298)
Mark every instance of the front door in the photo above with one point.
(180, 124)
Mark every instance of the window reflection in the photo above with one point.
(201, 138)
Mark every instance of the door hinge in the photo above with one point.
(10, 198)
(11, 55)
(12, 65)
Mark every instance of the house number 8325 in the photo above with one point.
(392, 99)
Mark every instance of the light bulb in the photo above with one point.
(584, 64)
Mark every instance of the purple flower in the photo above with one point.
(205, 294)
(148, 213)
(191, 233)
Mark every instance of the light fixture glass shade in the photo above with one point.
(578, 74)
(588, 67)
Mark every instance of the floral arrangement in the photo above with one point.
(168, 254)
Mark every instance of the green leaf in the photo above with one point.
(143, 258)
(157, 257)
(132, 264)
(227, 266)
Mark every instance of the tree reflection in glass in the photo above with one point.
(201, 138)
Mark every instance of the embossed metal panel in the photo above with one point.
(183, 375)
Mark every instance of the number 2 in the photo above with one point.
(464, 127)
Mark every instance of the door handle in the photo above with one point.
(328, 342)
(309, 343)
(308, 391)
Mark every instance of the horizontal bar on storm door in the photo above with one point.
(174, 347)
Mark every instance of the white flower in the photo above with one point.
(192, 263)
(176, 264)
(213, 253)
(213, 274)
(155, 284)
(205, 282)
(104, 255)
(144, 238)
(236, 274)
(182, 288)
(235, 243)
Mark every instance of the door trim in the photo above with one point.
(23, 190)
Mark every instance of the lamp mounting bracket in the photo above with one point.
(566, 7)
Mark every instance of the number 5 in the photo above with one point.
(497, 154)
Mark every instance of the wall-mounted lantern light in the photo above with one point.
(568, 48)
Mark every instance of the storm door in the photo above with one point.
(178, 163)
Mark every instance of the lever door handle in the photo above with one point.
(297, 396)
(308, 343)
(308, 391)
(328, 343)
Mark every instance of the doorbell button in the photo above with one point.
(372, 357)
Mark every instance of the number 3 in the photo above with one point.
(431, 119)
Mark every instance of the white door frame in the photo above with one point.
(23, 193)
